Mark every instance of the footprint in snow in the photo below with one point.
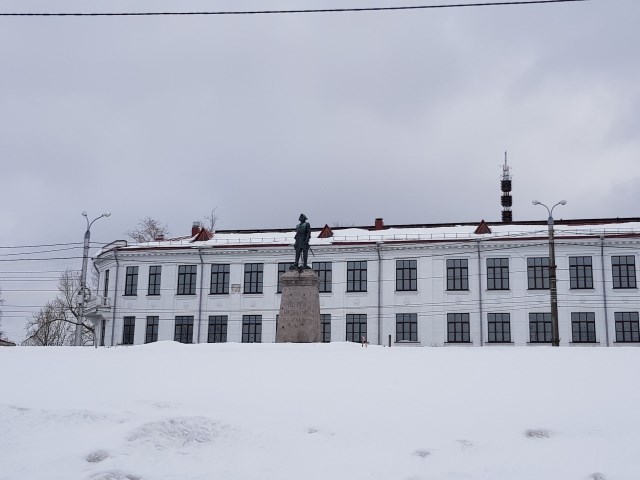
(422, 453)
(97, 456)
(537, 433)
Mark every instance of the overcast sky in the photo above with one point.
(345, 117)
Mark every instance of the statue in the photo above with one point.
(303, 234)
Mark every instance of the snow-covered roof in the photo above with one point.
(400, 233)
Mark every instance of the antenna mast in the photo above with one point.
(505, 186)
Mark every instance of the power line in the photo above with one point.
(271, 12)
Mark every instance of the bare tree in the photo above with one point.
(50, 326)
(340, 224)
(148, 230)
(210, 220)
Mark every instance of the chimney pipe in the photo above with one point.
(379, 224)
(195, 228)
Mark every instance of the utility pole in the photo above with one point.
(553, 286)
(82, 292)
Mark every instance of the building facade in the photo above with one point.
(411, 285)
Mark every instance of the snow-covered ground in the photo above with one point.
(325, 411)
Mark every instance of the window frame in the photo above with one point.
(106, 284)
(458, 320)
(131, 281)
(537, 319)
(406, 275)
(498, 274)
(155, 280)
(627, 318)
(538, 273)
(252, 329)
(406, 326)
(186, 323)
(581, 273)
(579, 319)
(325, 325)
(500, 319)
(623, 271)
(128, 330)
(187, 278)
(220, 276)
(356, 276)
(457, 274)
(283, 267)
(324, 274)
(254, 279)
(353, 320)
(153, 321)
(217, 328)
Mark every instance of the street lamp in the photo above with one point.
(83, 277)
(553, 289)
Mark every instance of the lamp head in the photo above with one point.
(535, 202)
(562, 202)
(84, 214)
(107, 214)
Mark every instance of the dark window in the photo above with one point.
(251, 328)
(499, 327)
(624, 271)
(538, 273)
(580, 272)
(217, 329)
(540, 327)
(323, 270)
(184, 329)
(406, 275)
(627, 327)
(128, 330)
(106, 284)
(356, 327)
(102, 331)
(282, 268)
(152, 330)
(356, 276)
(154, 280)
(131, 281)
(187, 275)
(253, 277)
(497, 274)
(457, 274)
(458, 327)
(583, 327)
(325, 321)
(219, 279)
(406, 327)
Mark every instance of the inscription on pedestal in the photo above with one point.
(299, 319)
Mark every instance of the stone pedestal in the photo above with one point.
(299, 320)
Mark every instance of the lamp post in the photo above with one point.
(553, 289)
(82, 292)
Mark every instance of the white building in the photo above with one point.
(423, 285)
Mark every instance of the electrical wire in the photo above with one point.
(299, 11)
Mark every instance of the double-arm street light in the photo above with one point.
(83, 277)
(555, 336)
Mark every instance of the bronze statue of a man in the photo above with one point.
(303, 234)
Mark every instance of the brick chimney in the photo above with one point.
(379, 224)
(195, 228)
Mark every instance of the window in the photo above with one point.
(217, 329)
(253, 277)
(184, 329)
(406, 275)
(152, 330)
(219, 279)
(323, 270)
(627, 327)
(131, 281)
(624, 271)
(583, 327)
(457, 274)
(128, 330)
(252, 328)
(103, 327)
(356, 326)
(187, 275)
(540, 327)
(282, 268)
(458, 328)
(538, 273)
(406, 327)
(106, 284)
(580, 272)
(499, 327)
(497, 274)
(325, 322)
(356, 276)
(154, 280)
